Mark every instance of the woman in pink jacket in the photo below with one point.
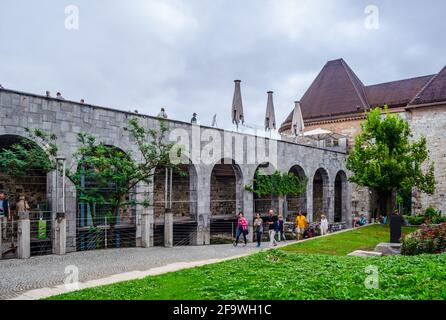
(242, 228)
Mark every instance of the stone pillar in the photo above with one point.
(329, 199)
(204, 205)
(281, 201)
(24, 236)
(310, 200)
(147, 224)
(144, 216)
(248, 204)
(168, 228)
(60, 235)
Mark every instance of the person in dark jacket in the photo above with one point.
(280, 229)
(258, 228)
(5, 213)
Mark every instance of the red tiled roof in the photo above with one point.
(337, 92)
(395, 93)
(433, 91)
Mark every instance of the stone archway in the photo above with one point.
(226, 189)
(100, 224)
(262, 204)
(33, 185)
(184, 192)
(320, 194)
(296, 203)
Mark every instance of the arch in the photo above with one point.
(262, 204)
(184, 191)
(320, 194)
(340, 200)
(33, 185)
(296, 203)
(116, 231)
(226, 194)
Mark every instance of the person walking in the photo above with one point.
(22, 205)
(324, 225)
(242, 229)
(272, 226)
(5, 213)
(258, 227)
(280, 229)
(301, 223)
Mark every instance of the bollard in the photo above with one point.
(60, 234)
(23, 236)
(147, 230)
(168, 228)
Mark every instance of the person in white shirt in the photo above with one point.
(324, 225)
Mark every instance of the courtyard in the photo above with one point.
(301, 271)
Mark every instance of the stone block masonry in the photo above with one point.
(195, 196)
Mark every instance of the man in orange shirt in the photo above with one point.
(301, 223)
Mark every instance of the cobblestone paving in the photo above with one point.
(19, 276)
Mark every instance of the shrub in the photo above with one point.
(417, 220)
(428, 239)
(430, 216)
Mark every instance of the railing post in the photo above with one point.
(147, 228)
(24, 236)
(168, 228)
(60, 236)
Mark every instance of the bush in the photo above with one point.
(428, 239)
(417, 220)
(430, 216)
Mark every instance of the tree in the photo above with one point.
(386, 159)
(114, 173)
(37, 151)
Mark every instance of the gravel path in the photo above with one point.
(19, 276)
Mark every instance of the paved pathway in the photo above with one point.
(20, 276)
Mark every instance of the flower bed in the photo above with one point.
(428, 239)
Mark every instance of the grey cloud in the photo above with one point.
(184, 55)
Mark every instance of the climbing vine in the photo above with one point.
(278, 183)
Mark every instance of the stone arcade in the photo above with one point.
(207, 193)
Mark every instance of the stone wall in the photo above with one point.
(223, 195)
(430, 122)
(181, 194)
(66, 119)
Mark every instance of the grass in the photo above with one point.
(343, 243)
(290, 274)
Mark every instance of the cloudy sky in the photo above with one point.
(184, 55)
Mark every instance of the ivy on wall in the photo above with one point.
(280, 184)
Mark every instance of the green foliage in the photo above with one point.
(344, 243)
(35, 152)
(278, 275)
(278, 183)
(428, 239)
(430, 216)
(110, 173)
(385, 159)
(416, 220)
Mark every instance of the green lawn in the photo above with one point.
(343, 243)
(285, 274)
